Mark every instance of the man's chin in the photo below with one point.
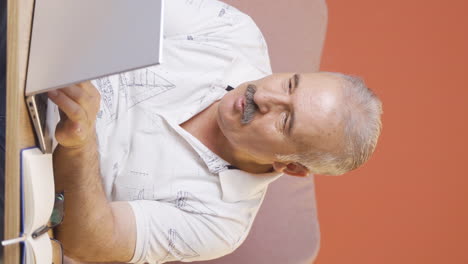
(223, 120)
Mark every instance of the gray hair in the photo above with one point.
(361, 126)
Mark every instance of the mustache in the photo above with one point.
(250, 107)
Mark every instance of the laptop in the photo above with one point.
(77, 40)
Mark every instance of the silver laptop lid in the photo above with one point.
(78, 40)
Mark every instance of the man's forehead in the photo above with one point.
(319, 94)
(318, 109)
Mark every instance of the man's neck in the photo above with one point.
(205, 128)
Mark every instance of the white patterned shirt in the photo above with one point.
(188, 204)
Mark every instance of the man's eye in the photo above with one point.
(290, 86)
(285, 121)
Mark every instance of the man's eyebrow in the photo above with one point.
(297, 78)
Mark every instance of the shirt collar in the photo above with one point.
(236, 185)
(239, 185)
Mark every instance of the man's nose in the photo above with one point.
(268, 101)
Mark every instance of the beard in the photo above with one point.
(250, 107)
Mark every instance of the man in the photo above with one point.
(164, 163)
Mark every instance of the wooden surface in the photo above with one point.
(19, 132)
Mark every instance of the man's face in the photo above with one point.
(290, 113)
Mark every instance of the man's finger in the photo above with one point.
(63, 116)
(86, 95)
(77, 94)
(72, 109)
(89, 88)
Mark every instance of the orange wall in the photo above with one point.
(409, 204)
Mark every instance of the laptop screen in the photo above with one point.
(74, 41)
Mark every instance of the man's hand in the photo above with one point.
(93, 229)
(78, 105)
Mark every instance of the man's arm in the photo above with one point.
(93, 229)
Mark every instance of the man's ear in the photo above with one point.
(293, 168)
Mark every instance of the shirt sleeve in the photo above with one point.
(166, 233)
(201, 25)
(191, 16)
